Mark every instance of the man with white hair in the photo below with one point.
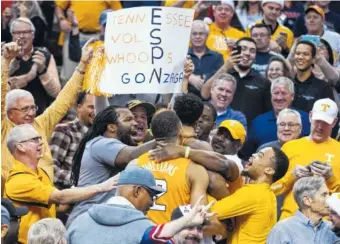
(289, 127)
(29, 186)
(264, 127)
(334, 213)
(316, 154)
(222, 94)
(48, 230)
(222, 35)
(34, 68)
(307, 225)
(206, 62)
(282, 38)
(18, 107)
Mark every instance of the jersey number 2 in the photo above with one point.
(160, 207)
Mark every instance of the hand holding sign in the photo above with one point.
(189, 67)
(143, 51)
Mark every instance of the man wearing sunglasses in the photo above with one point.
(29, 186)
(122, 218)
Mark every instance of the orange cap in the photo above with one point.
(316, 9)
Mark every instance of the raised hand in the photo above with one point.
(189, 67)
(39, 59)
(10, 50)
(165, 151)
(199, 213)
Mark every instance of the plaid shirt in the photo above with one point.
(63, 145)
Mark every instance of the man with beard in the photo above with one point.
(250, 85)
(104, 152)
(334, 213)
(206, 122)
(142, 112)
(66, 138)
(254, 205)
(229, 139)
(308, 88)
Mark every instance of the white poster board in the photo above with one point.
(145, 49)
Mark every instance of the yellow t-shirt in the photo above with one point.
(44, 124)
(254, 206)
(170, 175)
(302, 152)
(216, 39)
(24, 187)
(280, 28)
(88, 12)
(187, 4)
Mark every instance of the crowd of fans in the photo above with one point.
(249, 152)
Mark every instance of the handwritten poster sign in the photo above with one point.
(146, 50)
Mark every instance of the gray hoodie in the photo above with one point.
(113, 223)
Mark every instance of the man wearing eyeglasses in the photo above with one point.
(261, 35)
(303, 153)
(265, 126)
(29, 185)
(18, 107)
(34, 69)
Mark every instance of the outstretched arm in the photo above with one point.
(212, 161)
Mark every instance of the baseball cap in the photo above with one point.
(149, 107)
(325, 109)
(316, 9)
(5, 218)
(235, 128)
(139, 176)
(229, 2)
(103, 16)
(334, 202)
(280, 2)
(11, 209)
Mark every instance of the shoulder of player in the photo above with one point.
(195, 170)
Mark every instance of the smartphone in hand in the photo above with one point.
(238, 50)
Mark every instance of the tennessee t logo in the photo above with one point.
(325, 107)
(329, 157)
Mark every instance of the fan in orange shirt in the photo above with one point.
(318, 146)
(222, 36)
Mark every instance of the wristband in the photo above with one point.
(187, 152)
